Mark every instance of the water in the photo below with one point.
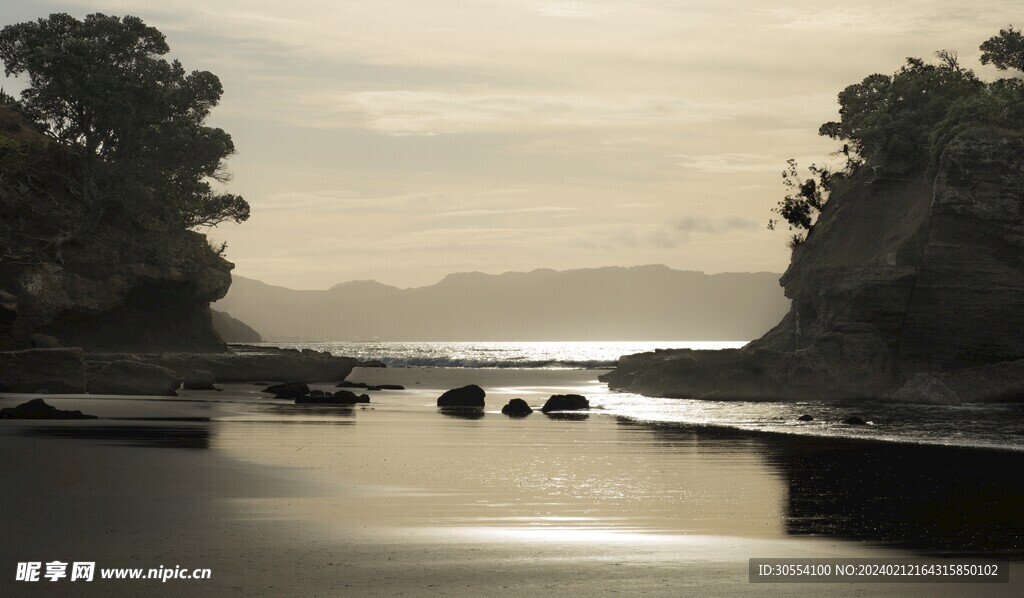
(547, 355)
(990, 426)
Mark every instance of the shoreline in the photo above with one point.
(394, 497)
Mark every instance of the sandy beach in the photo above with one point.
(395, 498)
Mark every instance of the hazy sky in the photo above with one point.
(401, 140)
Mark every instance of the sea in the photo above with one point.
(983, 426)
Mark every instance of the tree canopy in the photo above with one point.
(899, 125)
(135, 120)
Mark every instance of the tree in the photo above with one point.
(900, 125)
(135, 120)
(804, 199)
(1005, 51)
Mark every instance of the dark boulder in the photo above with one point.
(288, 390)
(855, 421)
(566, 403)
(39, 409)
(466, 396)
(42, 370)
(351, 397)
(517, 408)
(386, 387)
(199, 380)
(133, 378)
(805, 418)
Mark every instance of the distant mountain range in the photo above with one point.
(613, 303)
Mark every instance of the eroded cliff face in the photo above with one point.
(898, 277)
(122, 306)
(94, 272)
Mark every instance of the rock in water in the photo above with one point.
(517, 408)
(467, 396)
(133, 378)
(199, 380)
(351, 397)
(288, 390)
(566, 403)
(805, 418)
(855, 421)
(42, 370)
(39, 409)
(925, 389)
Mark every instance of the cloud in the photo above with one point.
(713, 224)
(575, 10)
(343, 201)
(415, 112)
(728, 162)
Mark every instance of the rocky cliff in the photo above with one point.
(78, 269)
(898, 277)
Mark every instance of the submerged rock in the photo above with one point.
(466, 396)
(855, 421)
(566, 403)
(39, 409)
(517, 408)
(132, 378)
(805, 418)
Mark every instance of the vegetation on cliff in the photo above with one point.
(108, 139)
(896, 127)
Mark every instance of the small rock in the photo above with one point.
(566, 403)
(854, 421)
(288, 390)
(389, 387)
(323, 399)
(346, 384)
(39, 409)
(466, 396)
(351, 397)
(517, 408)
(44, 341)
(805, 418)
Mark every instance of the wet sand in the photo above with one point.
(395, 498)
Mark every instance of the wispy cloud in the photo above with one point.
(713, 224)
(413, 112)
(575, 10)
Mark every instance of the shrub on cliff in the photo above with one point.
(899, 125)
(132, 123)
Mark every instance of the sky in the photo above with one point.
(403, 140)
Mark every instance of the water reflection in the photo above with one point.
(568, 415)
(956, 501)
(462, 412)
(196, 436)
(962, 501)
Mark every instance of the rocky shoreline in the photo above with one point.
(72, 370)
(902, 284)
